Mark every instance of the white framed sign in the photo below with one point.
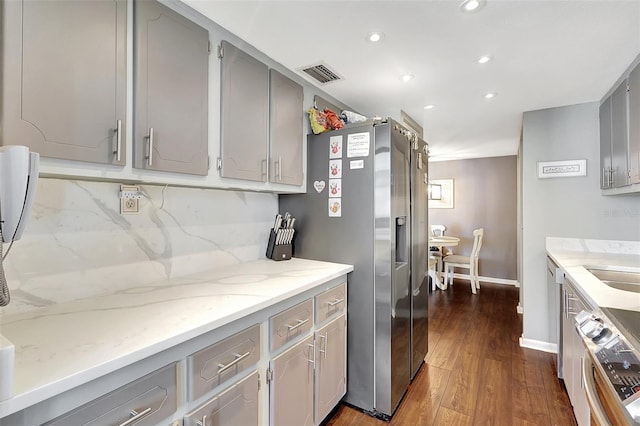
(565, 168)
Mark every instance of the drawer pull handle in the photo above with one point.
(335, 302)
(299, 324)
(136, 416)
(222, 368)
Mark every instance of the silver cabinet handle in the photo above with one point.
(118, 130)
(222, 368)
(202, 422)
(313, 350)
(280, 169)
(335, 302)
(136, 416)
(592, 397)
(263, 169)
(299, 324)
(150, 156)
(324, 351)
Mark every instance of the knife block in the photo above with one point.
(277, 251)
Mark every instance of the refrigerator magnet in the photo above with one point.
(335, 146)
(335, 169)
(335, 188)
(318, 185)
(335, 207)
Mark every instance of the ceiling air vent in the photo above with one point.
(321, 72)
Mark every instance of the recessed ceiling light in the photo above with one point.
(375, 36)
(484, 59)
(490, 95)
(471, 5)
(429, 106)
(408, 77)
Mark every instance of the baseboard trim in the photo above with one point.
(489, 280)
(539, 345)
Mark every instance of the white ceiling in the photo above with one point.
(546, 53)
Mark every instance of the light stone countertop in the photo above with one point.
(572, 255)
(66, 345)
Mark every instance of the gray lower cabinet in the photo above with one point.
(331, 366)
(244, 120)
(291, 392)
(147, 401)
(573, 353)
(634, 124)
(222, 361)
(64, 78)
(236, 406)
(286, 99)
(171, 63)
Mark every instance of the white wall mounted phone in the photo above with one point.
(18, 181)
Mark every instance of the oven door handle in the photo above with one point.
(592, 394)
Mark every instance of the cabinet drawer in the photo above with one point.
(330, 303)
(237, 405)
(147, 401)
(222, 361)
(289, 324)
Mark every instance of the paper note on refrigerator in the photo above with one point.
(358, 144)
(335, 207)
(335, 188)
(335, 169)
(335, 146)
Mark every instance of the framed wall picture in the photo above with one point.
(566, 168)
(446, 194)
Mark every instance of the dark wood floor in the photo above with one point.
(475, 372)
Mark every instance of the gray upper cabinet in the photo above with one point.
(619, 136)
(64, 78)
(171, 62)
(244, 115)
(605, 144)
(285, 148)
(634, 124)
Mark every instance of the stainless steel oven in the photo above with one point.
(611, 372)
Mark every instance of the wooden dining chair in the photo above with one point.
(471, 262)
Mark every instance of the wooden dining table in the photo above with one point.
(442, 241)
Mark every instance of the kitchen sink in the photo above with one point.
(619, 277)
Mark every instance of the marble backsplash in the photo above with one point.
(77, 244)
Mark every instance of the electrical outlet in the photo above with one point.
(129, 199)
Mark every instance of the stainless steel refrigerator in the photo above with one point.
(366, 205)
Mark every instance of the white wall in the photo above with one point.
(564, 207)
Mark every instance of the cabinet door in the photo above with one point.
(64, 90)
(286, 141)
(619, 137)
(331, 367)
(171, 91)
(292, 385)
(236, 406)
(244, 115)
(634, 124)
(579, 401)
(605, 144)
(567, 342)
